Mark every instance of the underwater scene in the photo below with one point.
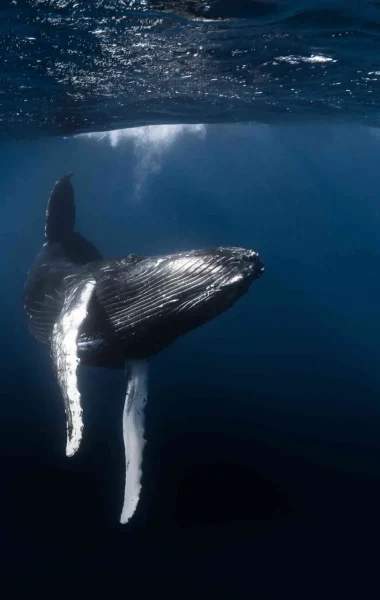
(190, 369)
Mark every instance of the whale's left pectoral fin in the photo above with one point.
(65, 357)
(133, 435)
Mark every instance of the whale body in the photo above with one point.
(118, 313)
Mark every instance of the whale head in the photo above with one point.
(150, 302)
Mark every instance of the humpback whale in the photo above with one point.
(118, 313)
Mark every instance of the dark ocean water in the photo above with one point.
(263, 452)
(261, 473)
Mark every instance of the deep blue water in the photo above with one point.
(261, 472)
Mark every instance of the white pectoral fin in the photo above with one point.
(133, 435)
(65, 357)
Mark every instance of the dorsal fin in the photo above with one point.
(60, 221)
(60, 213)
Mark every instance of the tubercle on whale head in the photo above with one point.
(241, 268)
(247, 261)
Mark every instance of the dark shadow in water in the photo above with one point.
(226, 493)
(217, 498)
(210, 482)
(198, 481)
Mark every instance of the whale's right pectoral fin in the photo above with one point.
(65, 356)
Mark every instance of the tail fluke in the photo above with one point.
(60, 213)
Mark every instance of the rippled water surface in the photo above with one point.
(70, 66)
